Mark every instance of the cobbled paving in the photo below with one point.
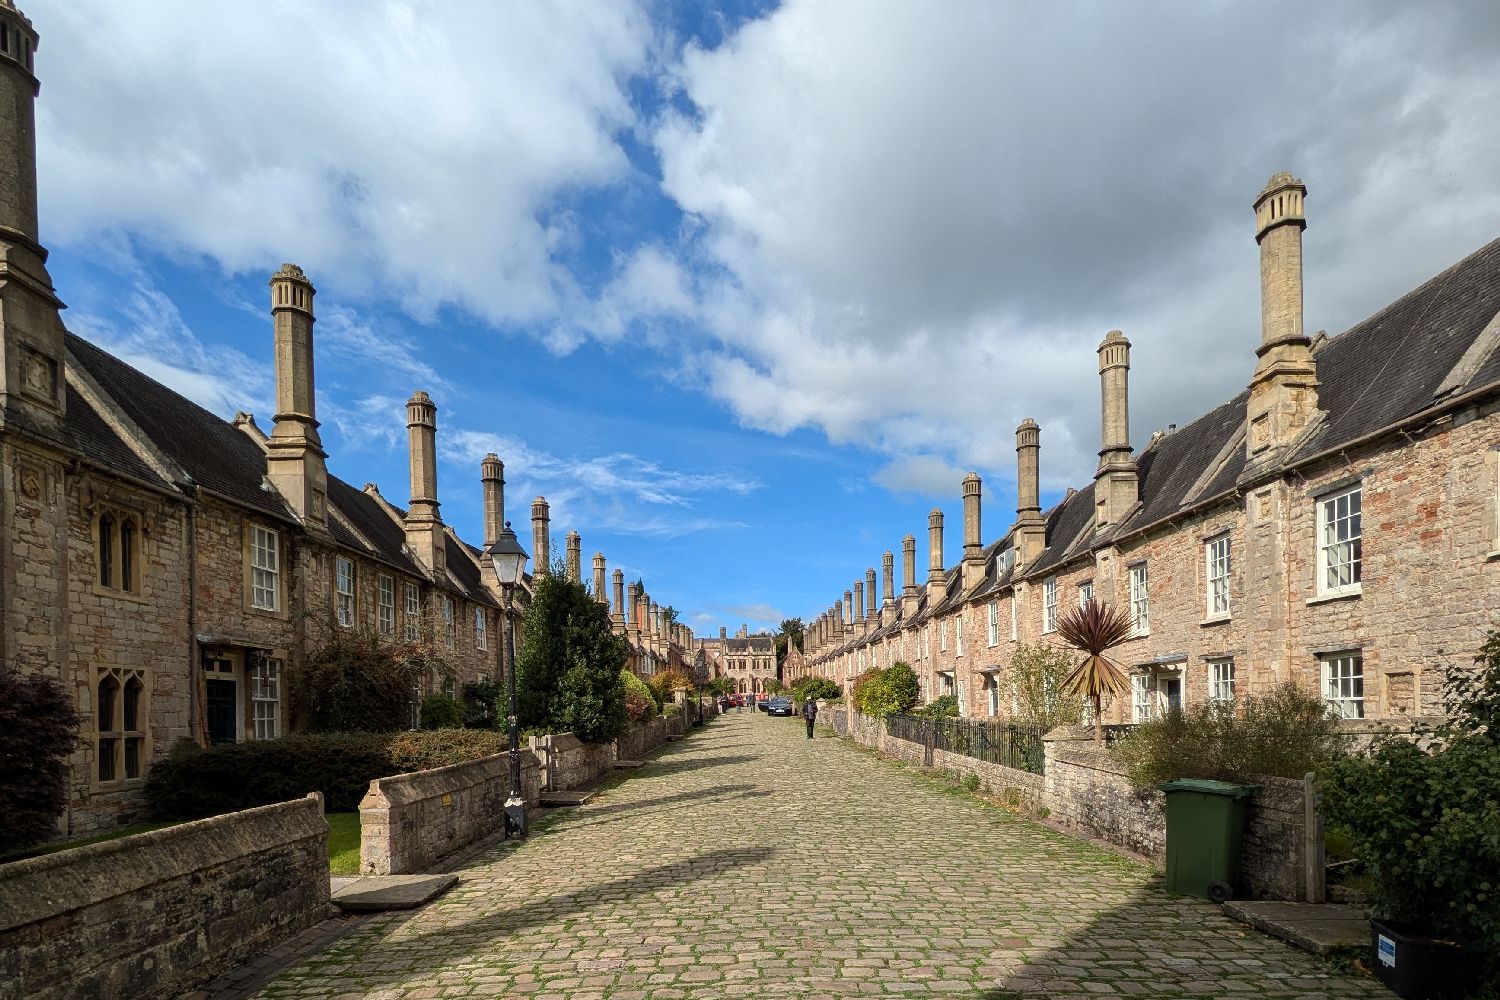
(747, 861)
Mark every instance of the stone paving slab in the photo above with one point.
(751, 862)
(378, 893)
(1320, 928)
(571, 797)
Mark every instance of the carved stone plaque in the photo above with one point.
(38, 376)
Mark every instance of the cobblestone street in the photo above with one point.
(749, 862)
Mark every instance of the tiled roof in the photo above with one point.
(102, 445)
(387, 540)
(463, 569)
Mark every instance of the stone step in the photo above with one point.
(1320, 928)
(376, 893)
(576, 797)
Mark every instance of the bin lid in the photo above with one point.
(1206, 786)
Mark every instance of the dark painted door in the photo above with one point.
(221, 716)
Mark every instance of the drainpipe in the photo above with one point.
(195, 704)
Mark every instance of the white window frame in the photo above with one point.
(1340, 559)
(265, 568)
(1221, 680)
(1216, 570)
(385, 604)
(265, 698)
(993, 687)
(943, 636)
(481, 630)
(1140, 600)
(993, 635)
(450, 622)
(958, 636)
(413, 612)
(1049, 605)
(343, 590)
(1085, 593)
(1344, 683)
(1142, 698)
(1013, 616)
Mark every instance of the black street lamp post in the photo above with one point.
(508, 560)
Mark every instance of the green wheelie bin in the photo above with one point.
(1205, 827)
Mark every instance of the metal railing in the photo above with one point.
(991, 741)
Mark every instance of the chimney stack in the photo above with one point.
(859, 605)
(1116, 484)
(19, 86)
(1031, 530)
(973, 565)
(424, 526)
(619, 612)
(935, 588)
(573, 558)
(632, 614)
(541, 539)
(848, 612)
(492, 475)
(1284, 389)
(888, 589)
(871, 614)
(909, 593)
(294, 453)
(601, 594)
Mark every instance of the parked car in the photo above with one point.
(762, 703)
(779, 706)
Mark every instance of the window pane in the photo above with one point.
(127, 555)
(107, 751)
(106, 551)
(133, 757)
(109, 688)
(133, 689)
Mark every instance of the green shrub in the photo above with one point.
(665, 684)
(38, 731)
(672, 711)
(568, 673)
(355, 681)
(1287, 732)
(1426, 823)
(861, 684)
(481, 701)
(943, 707)
(889, 692)
(1037, 673)
(192, 782)
(441, 712)
(812, 688)
(970, 783)
(640, 703)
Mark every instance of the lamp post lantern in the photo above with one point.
(508, 560)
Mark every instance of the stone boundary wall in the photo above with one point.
(409, 822)
(154, 914)
(1282, 854)
(996, 779)
(568, 762)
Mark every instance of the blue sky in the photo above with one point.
(743, 289)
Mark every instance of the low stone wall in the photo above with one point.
(410, 822)
(637, 741)
(154, 914)
(1021, 786)
(1282, 855)
(568, 762)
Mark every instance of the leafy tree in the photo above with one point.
(942, 707)
(891, 691)
(1037, 674)
(665, 683)
(640, 702)
(1095, 629)
(38, 730)
(814, 688)
(720, 686)
(568, 673)
(441, 712)
(480, 702)
(790, 630)
(354, 680)
(772, 686)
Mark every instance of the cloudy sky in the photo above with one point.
(744, 292)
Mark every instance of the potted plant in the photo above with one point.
(1423, 813)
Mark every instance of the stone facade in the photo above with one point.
(174, 569)
(749, 661)
(154, 914)
(1335, 525)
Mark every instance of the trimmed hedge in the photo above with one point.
(193, 782)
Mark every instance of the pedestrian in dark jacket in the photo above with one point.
(810, 714)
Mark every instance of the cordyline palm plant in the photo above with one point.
(1094, 629)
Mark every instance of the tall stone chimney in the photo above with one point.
(935, 583)
(424, 526)
(294, 453)
(32, 356)
(601, 590)
(848, 613)
(1031, 530)
(1116, 483)
(871, 614)
(859, 606)
(541, 538)
(492, 476)
(888, 588)
(1284, 389)
(909, 592)
(573, 558)
(973, 565)
(619, 588)
(632, 614)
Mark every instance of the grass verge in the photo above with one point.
(343, 843)
(67, 845)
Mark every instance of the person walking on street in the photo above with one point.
(810, 715)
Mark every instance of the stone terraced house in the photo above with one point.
(1335, 523)
(172, 567)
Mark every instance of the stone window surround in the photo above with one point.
(1212, 559)
(1351, 674)
(958, 634)
(1049, 605)
(413, 612)
(111, 735)
(385, 603)
(120, 516)
(993, 635)
(265, 677)
(1085, 593)
(1322, 548)
(481, 629)
(1139, 593)
(346, 604)
(1219, 679)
